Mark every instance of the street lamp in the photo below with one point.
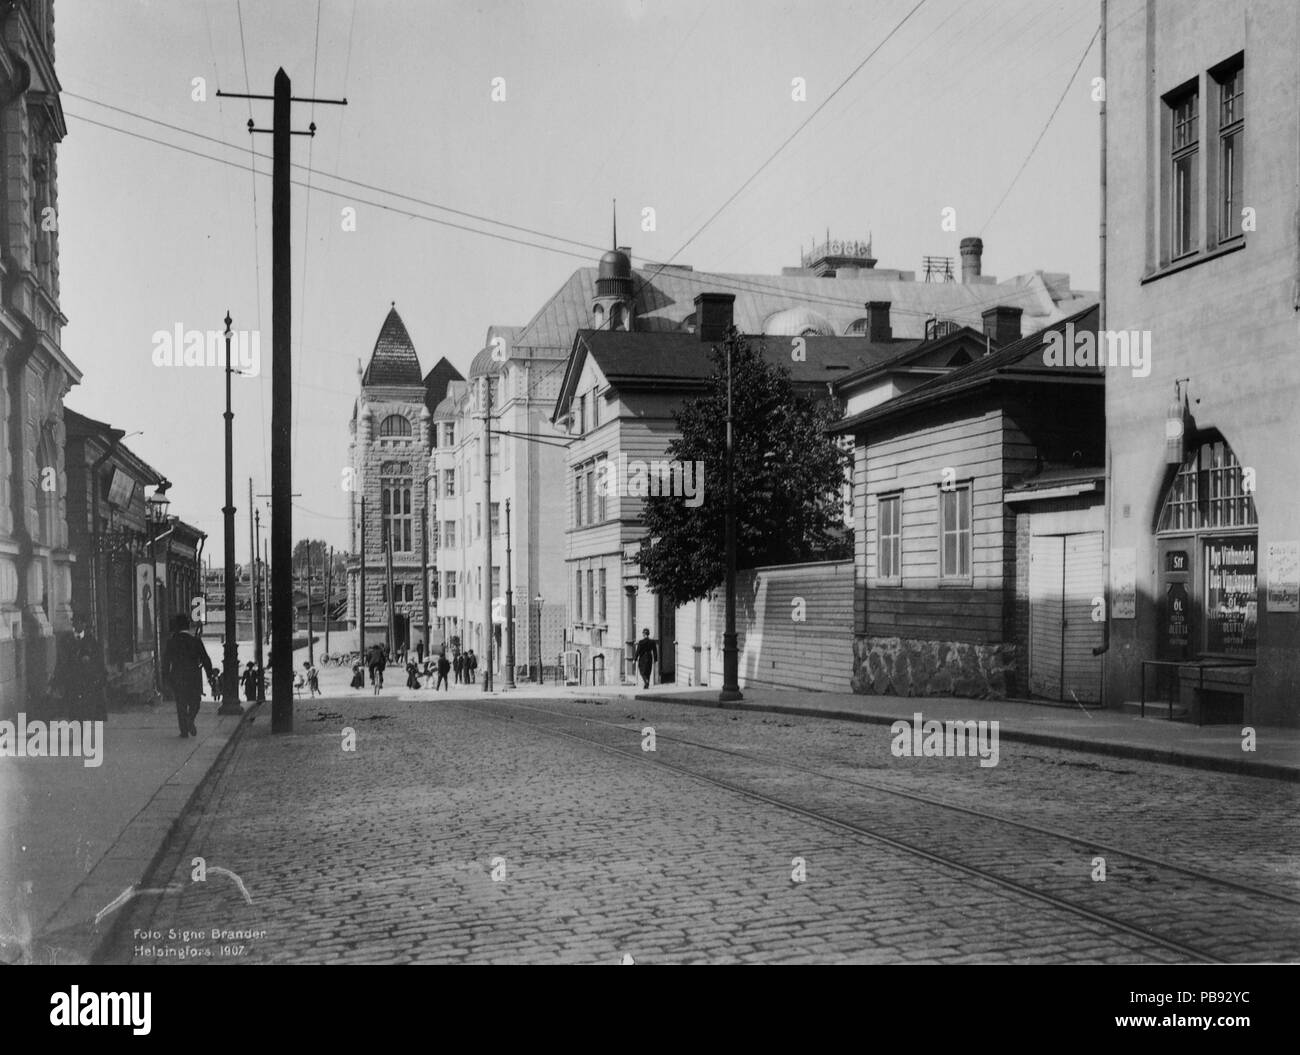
(156, 506)
(230, 650)
(510, 611)
(730, 658)
(538, 601)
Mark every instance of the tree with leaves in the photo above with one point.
(789, 477)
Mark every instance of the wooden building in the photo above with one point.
(977, 509)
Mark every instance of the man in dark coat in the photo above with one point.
(376, 660)
(443, 667)
(249, 679)
(471, 667)
(458, 665)
(184, 663)
(646, 656)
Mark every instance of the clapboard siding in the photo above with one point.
(914, 462)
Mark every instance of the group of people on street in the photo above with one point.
(433, 669)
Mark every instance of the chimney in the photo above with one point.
(878, 328)
(713, 316)
(972, 253)
(1002, 324)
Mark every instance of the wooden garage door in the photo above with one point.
(1065, 575)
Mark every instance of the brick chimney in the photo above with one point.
(713, 313)
(878, 328)
(1002, 324)
(972, 255)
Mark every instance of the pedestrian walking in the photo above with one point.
(412, 675)
(419, 652)
(647, 654)
(443, 667)
(458, 663)
(313, 677)
(249, 681)
(471, 668)
(358, 675)
(184, 663)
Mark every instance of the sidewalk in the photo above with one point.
(75, 837)
(1103, 732)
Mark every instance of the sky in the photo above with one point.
(670, 106)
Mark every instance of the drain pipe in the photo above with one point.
(1108, 497)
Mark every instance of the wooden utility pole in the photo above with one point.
(281, 397)
(329, 586)
(257, 596)
(487, 535)
(388, 579)
(509, 642)
(311, 636)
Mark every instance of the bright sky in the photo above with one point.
(669, 105)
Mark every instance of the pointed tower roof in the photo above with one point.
(437, 382)
(393, 362)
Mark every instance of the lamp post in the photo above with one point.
(510, 615)
(730, 659)
(538, 601)
(156, 506)
(230, 651)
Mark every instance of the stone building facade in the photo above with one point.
(35, 561)
(391, 438)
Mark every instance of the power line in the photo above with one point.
(1048, 125)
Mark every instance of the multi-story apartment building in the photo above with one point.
(527, 470)
(1201, 259)
(35, 562)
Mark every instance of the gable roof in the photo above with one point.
(1019, 361)
(673, 359)
(393, 361)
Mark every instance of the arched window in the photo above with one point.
(598, 316)
(1208, 542)
(394, 425)
(397, 522)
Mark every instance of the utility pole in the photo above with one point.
(388, 578)
(329, 584)
(424, 566)
(510, 612)
(230, 651)
(281, 397)
(487, 535)
(361, 589)
(311, 647)
(730, 658)
(257, 596)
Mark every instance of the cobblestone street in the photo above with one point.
(492, 830)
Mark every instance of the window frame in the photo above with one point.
(1182, 152)
(957, 578)
(894, 499)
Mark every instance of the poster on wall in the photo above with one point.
(144, 607)
(1123, 580)
(1283, 576)
(1231, 597)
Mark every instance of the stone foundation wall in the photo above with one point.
(892, 666)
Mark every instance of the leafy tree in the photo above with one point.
(789, 477)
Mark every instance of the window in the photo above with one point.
(1183, 234)
(582, 414)
(1230, 81)
(478, 581)
(600, 596)
(889, 537)
(478, 519)
(579, 498)
(449, 585)
(955, 533)
(397, 523)
(591, 589)
(449, 483)
(383, 592)
(449, 534)
(394, 425)
(449, 435)
(577, 601)
(595, 408)
(591, 497)
(496, 580)
(496, 519)
(600, 490)
(1209, 492)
